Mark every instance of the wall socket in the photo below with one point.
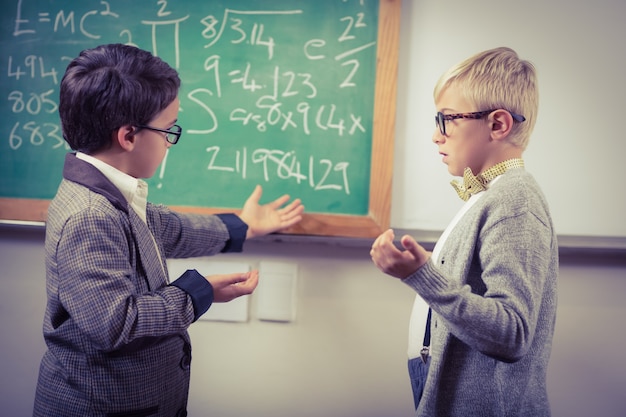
(276, 294)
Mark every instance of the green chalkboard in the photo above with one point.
(282, 93)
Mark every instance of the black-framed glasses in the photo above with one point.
(441, 119)
(171, 135)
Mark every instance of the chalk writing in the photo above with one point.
(289, 83)
(38, 135)
(62, 20)
(282, 165)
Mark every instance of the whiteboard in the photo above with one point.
(578, 148)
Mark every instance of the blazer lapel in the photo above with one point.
(149, 258)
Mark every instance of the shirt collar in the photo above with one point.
(134, 190)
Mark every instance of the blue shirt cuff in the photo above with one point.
(237, 230)
(199, 289)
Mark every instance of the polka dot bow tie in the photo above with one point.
(473, 184)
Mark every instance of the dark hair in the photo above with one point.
(110, 86)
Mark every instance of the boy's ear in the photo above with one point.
(501, 125)
(125, 137)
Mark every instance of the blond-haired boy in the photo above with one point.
(491, 279)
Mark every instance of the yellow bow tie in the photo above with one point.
(473, 184)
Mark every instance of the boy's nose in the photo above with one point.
(438, 137)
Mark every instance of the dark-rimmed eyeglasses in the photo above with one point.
(441, 119)
(171, 135)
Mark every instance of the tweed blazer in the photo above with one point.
(493, 296)
(115, 329)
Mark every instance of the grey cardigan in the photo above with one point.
(493, 296)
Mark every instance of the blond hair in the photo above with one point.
(497, 79)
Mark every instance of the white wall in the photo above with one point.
(577, 149)
(345, 354)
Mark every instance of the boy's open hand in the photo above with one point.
(395, 262)
(227, 287)
(270, 217)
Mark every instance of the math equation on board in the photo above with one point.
(278, 92)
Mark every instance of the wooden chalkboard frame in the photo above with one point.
(379, 208)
